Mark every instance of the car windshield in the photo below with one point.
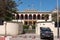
(45, 29)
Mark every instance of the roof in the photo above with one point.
(46, 22)
(34, 12)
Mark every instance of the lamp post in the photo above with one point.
(57, 21)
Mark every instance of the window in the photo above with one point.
(43, 16)
(38, 16)
(34, 16)
(30, 22)
(26, 16)
(26, 22)
(34, 22)
(30, 16)
(22, 16)
(17, 17)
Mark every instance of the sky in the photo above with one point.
(40, 5)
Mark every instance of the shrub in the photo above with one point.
(25, 26)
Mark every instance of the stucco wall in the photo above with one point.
(46, 24)
(11, 28)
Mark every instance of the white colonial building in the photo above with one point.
(30, 17)
(40, 19)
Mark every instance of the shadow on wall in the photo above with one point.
(56, 24)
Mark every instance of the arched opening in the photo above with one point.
(30, 22)
(17, 16)
(22, 16)
(43, 16)
(34, 22)
(38, 16)
(34, 16)
(30, 16)
(26, 16)
(26, 23)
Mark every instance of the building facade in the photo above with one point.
(30, 17)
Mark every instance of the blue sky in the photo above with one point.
(41, 5)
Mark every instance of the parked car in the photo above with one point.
(46, 33)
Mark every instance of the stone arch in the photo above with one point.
(43, 16)
(30, 16)
(26, 16)
(17, 16)
(22, 16)
(34, 16)
(38, 16)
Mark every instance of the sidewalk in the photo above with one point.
(28, 37)
(25, 37)
(55, 38)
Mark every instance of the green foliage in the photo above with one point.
(25, 26)
(7, 7)
(33, 26)
(26, 29)
(54, 17)
(8, 17)
(46, 17)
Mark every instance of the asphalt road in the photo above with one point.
(29, 37)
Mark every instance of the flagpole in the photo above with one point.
(57, 21)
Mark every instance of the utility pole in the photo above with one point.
(57, 20)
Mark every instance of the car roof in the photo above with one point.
(44, 28)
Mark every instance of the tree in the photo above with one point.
(7, 7)
(46, 17)
(54, 17)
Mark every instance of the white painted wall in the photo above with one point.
(18, 21)
(2, 29)
(59, 31)
(46, 24)
(11, 28)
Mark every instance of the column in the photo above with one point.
(15, 16)
(28, 19)
(41, 16)
(50, 17)
(19, 16)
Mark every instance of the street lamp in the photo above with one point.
(57, 21)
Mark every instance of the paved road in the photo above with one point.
(29, 37)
